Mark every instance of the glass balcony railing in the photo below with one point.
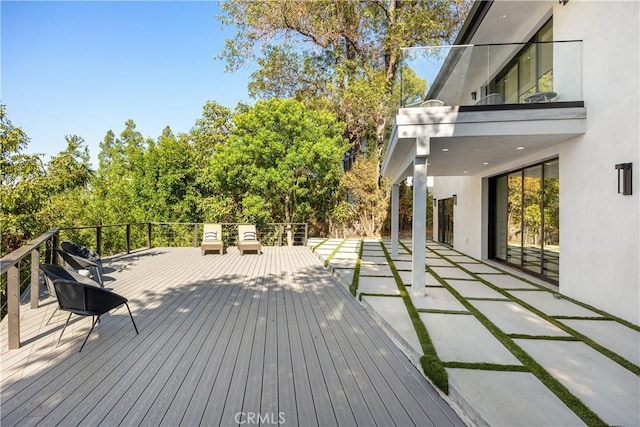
(514, 73)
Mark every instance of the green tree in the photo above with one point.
(280, 163)
(22, 194)
(335, 49)
(68, 187)
(368, 198)
(337, 54)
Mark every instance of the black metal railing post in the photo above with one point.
(128, 244)
(99, 240)
(55, 242)
(149, 235)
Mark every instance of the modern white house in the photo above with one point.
(531, 129)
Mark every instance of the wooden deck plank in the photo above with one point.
(211, 410)
(270, 334)
(137, 393)
(73, 367)
(116, 368)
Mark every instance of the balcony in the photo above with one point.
(471, 108)
(485, 75)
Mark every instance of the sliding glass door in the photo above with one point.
(525, 224)
(445, 221)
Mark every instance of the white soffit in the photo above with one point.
(461, 143)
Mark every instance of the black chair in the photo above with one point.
(53, 272)
(78, 263)
(83, 252)
(87, 300)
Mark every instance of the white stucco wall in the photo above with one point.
(599, 228)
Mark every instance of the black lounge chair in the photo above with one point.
(53, 272)
(83, 252)
(78, 263)
(87, 300)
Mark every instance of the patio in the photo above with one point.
(224, 340)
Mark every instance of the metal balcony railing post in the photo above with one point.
(35, 277)
(13, 305)
(149, 235)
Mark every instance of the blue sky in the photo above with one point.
(84, 67)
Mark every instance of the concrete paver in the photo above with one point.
(505, 281)
(612, 335)
(480, 268)
(605, 387)
(393, 313)
(345, 255)
(474, 289)
(403, 265)
(462, 259)
(342, 263)
(438, 262)
(462, 338)
(512, 318)
(496, 397)
(407, 278)
(545, 302)
(437, 299)
(451, 273)
(375, 270)
(508, 399)
(378, 285)
(376, 259)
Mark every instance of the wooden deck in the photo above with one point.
(224, 340)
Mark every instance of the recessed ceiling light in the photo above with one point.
(485, 163)
(466, 171)
(445, 149)
(501, 17)
(519, 148)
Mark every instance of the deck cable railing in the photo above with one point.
(19, 270)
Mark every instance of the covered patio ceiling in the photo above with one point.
(458, 142)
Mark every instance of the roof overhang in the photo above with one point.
(466, 140)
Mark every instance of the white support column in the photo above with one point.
(395, 209)
(418, 279)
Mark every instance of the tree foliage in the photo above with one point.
(279, 164)
(335, 50)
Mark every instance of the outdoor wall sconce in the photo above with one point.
(455, 199)
(624, 181)
(435, 202)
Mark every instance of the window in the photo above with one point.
(531, 70)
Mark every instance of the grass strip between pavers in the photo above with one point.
(333, 253)
(556, 387)
(436, 311)
(551, 319)
(486, 366)
(353, 288)
(542, 337)
(431, 364)
(319, 244)
(540, 287)
(371, 294)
